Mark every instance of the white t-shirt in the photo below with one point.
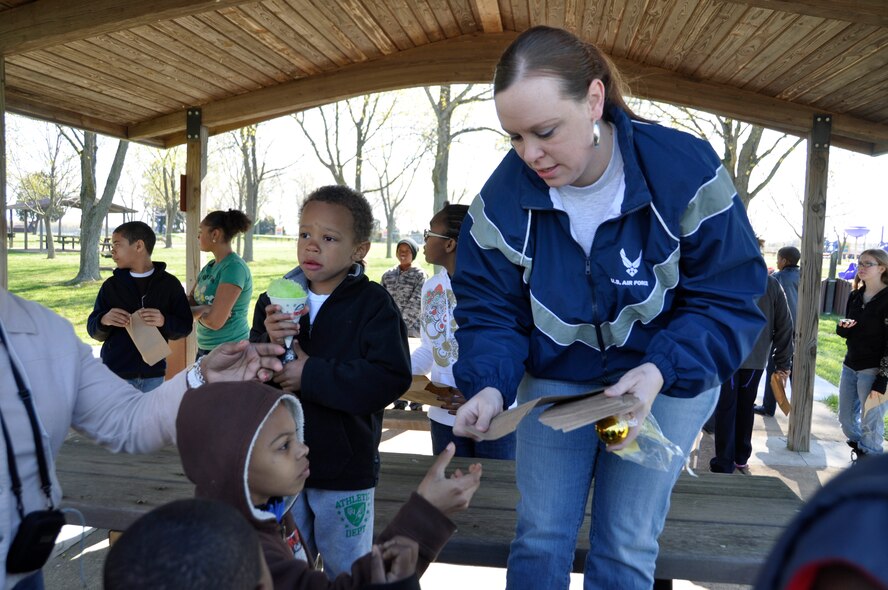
(590, 206)
(315, 302)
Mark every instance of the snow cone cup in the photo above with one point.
(292, 299)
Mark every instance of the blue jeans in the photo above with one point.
(337, 524)
(32, 582)
(554, 472)
(503, 448)
(146, 384)
(854, 388)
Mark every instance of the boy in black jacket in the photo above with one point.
(352, 361)
(141, 286)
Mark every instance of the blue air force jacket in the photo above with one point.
(673, 280)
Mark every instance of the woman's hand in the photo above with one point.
(644, 382)
(279, 324)
(242, 361)
(478, 412)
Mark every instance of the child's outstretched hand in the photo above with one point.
(393, 560)
(449, 494)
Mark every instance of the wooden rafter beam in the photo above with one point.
(489, 13)
(469, 58)
(658, 84)
(45, 23)
(864, 12)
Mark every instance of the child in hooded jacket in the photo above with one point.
(242, 444)
(352, 361)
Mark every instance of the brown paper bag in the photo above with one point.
(423, 391)
(148, 340)
(780, 394)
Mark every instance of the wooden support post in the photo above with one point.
(4, 252)
(805, 357)
(195, 170)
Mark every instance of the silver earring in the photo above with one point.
(596, 134)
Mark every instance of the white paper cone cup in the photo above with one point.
(295, 305)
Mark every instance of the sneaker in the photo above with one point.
(400, 404)
(416, 406)
(856, 455)
(742, 469)
(760, 410)
(852, 444)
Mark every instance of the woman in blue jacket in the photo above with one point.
(604, 250)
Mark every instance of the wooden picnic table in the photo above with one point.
(64, 239)
(720, 528)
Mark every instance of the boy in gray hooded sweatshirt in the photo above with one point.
(241, 443)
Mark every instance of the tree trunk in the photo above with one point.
(442, 149)
(390, 229)
(50, 247)
(93, 212)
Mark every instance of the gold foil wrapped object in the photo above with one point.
(612, 430)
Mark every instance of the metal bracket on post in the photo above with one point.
(193, 120)
(821, 131)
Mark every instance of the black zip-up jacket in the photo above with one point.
(359, 362)
(164, 292)
(868, 339)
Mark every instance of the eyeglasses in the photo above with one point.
(868, 264)
(429, 234)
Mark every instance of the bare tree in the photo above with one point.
(442, 137)
(92, 212)
(252, 173)
(367, 115)
(395, 177)
(742, 149)
(162, 188)
(45, 192)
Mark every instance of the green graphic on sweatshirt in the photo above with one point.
(353, 512)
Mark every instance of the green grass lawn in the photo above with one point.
(34, 277)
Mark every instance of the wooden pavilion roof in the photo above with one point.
(129, 69)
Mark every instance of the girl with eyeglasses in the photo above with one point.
(865, 368)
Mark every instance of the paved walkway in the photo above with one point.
(804, 473)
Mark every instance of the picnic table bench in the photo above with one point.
(720, 528)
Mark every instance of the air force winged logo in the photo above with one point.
(631, 267)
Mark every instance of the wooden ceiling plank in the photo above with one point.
(445, 18)
(489, 14)
(573, 16)
(235, 38)
(536, 12)
(672, 25)
(736, 48)
(464, 17)
(167, 51)
(323, 32)
(53, 66)
(633, 14)
(555, 13)
(430, 24)
(874, 44)
(520, 15)
(825, 93)
(368, 26)
(778, 49)
(381, 12)
(856, 96)
(698, 24)
(865, 12)
(250, 32)
(241, 72)
(465, 59)
(295, 45)
(339, 30)
(652, 20)
(590, 30)
(130, 70)
(712, 34)
(506, 16)
(212, 32)
(610, 26)
(404, 14)
(45, 23)
(70, 92)
(27, 106)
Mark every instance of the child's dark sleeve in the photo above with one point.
(178, 320)
(367, 384)
(421, 521)
(94, 323)
(257, 331)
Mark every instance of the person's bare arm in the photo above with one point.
(218, 313)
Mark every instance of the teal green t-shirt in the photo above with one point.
(232, 269)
